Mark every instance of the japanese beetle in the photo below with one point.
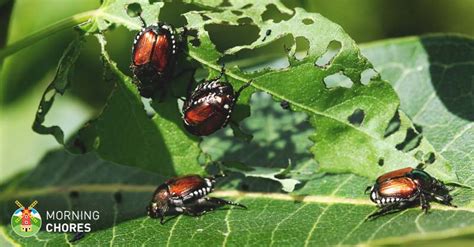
(208, 108)
(154, 52)
(186, 194)
(403, 188)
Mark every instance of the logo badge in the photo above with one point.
(26, 221)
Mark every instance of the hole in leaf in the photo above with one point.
(393, 125)
(245, 21)
(302, 47)
(272, 55)
(225, 3)
(412, 140)
(338, 80)
(153, 1)
(205, 17)
(357, 117)
(172, 12)
(419, 155)
(430, 158)
(367, 75)
(228, 36)
(381, 162)
(193, 37)
(237, 12)
(308, 21)
(281, 176)
(134, 9)
(418, 128)
(273, 13)
(48, 96)
(150, 115)
(247, 6)
(195, 42)
(332, 50)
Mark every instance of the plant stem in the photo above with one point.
(47, 31)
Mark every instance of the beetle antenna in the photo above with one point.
(220, 175)
(367, 189)
(243, 87)
(421, 166)
(142, 20)
(162, 220)
(222, 73)
(237, 94)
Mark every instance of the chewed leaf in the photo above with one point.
(340, 144)
(123, 132)
(117, 12)
(128, 136)
(276, 174)
(278, 150)
(432, 76)
(59, 85)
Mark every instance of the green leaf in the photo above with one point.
(123, 132)
(21, 72)
(126, 135)
(115, 12)
(340, 146)
(276, 174)
(278, 150)
(17, 118)
(58, 85)
(328, 210)
(433, 76)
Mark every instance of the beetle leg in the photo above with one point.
(163, 221)
(162, 218)
(388, 209)
(195, 210)
(218, 202)
(449, 204)
(425, 205)
(367, 189)
(237, 94)
(222, 73)
(207, 204)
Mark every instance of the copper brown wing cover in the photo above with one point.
(394, 174)
(161, 53)
(398, 187)
(144, 48)
(183, 185)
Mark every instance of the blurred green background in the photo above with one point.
(25, 75)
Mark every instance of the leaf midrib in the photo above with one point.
(111, 188)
